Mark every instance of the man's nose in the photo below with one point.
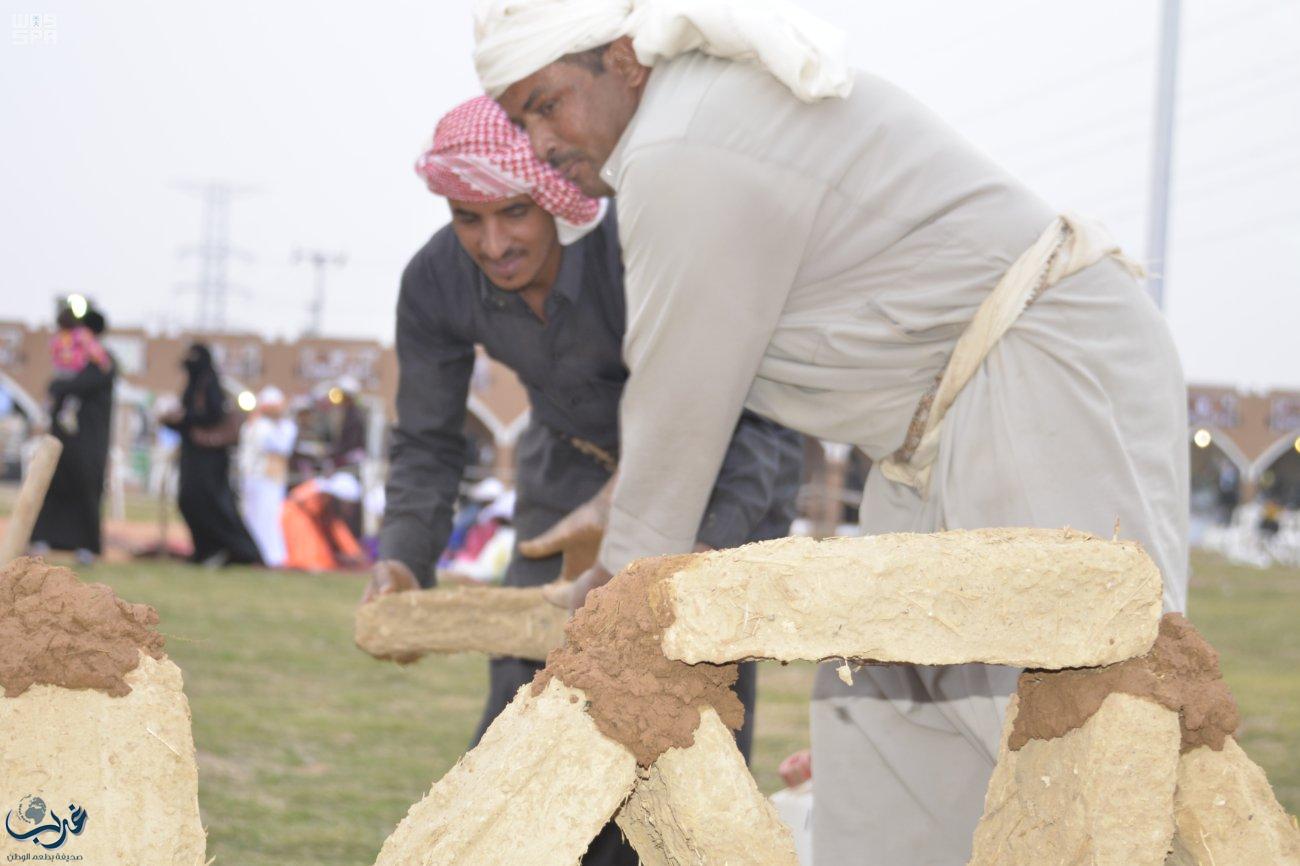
(495, 241)
(544, 143)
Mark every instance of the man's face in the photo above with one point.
(512, 241)
(575, 110)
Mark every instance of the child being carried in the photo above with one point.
(72, 348)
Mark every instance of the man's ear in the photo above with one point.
(620, 57)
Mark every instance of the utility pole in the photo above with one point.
(1162, 151)
(212, 284)
(321, 261)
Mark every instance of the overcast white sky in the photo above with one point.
(320, 108)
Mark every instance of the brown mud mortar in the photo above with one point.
(56, 630)
(1181, 673)
(613, 652)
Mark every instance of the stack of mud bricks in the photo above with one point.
(97, 759)
(1117, 751)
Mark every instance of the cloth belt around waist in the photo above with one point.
(1068, 245)
(605, 458)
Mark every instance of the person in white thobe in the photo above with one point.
(268, 441)
(814, 252)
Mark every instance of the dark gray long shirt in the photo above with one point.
(571, 366)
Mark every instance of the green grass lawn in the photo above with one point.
(310, 752)
(137, 506)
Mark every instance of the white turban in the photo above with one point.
(342, 486)
(515, 38)
(270, 396)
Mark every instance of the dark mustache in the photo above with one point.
(509, 255)
(557, 161)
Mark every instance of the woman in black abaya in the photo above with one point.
(208, 432)
(70, 516)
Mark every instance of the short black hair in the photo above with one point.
(592, 60)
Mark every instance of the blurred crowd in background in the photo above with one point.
(295, 479)
(266, 478)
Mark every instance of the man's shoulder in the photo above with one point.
(673, 97)
(737, 111)
(436, 282)
(440, 254)
(690, 89)
(696, 101)
(603, 240)
(439, 272)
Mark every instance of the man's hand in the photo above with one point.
(796, 769)
(573, 594)
(351, 562)
(389, 577)
(577, 535)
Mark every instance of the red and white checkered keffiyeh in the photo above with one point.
(478, 155)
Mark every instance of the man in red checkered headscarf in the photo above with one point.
(531, 270)
(511, 212)
(477, 155)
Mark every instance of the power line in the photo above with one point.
(1197, 107)
(1226, 180)
(213, 251)
(979, 34)
(1107, 67)
(321, 261)
(1054, 87)
(1235, 231)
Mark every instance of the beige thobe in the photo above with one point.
(816, 263)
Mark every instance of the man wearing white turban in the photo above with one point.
(515, 38)
(265, 448)
(815, 245)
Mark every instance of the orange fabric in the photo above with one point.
(312, 534)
